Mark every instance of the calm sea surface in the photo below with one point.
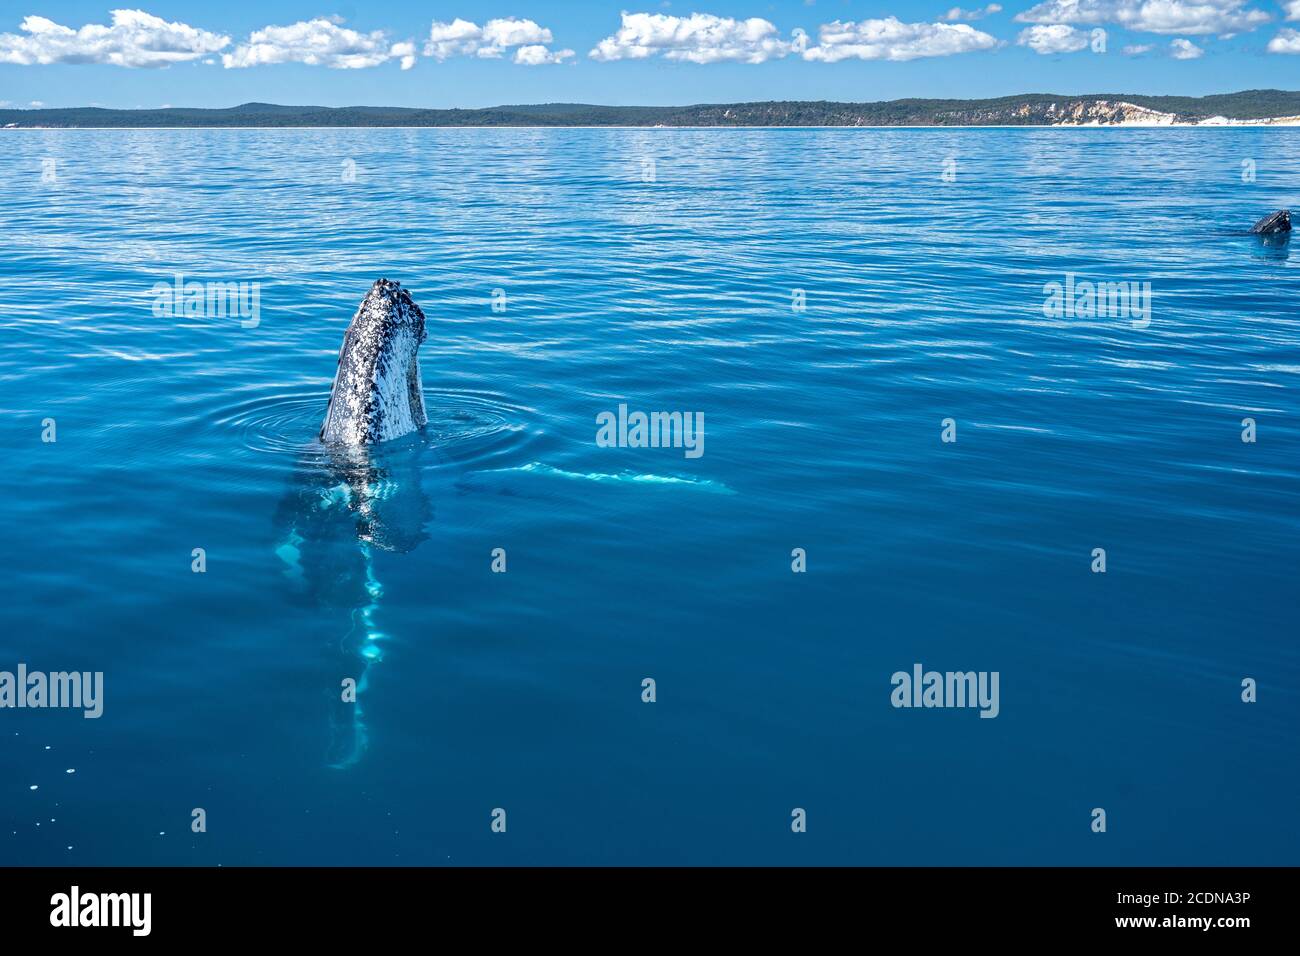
(523, 690)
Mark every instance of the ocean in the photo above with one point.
(941, 378)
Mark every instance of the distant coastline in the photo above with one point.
(1246, 108)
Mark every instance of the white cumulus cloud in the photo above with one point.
(1193, 17)
(458, 38)
(404, 51)
(1053, 38)
(318, 42)
(537, 55)
(891, 39)
(699, 38)
(1292, 8)
(1287, 41)
(506, 32)
(134, 38)
(529, 39)
(957, 13)
(1184, 50)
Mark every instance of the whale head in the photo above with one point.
(377, 395)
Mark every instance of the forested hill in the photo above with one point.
(1030, 109)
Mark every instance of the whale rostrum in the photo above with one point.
(377, 395)
(1273, 223)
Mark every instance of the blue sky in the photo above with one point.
(439, 54)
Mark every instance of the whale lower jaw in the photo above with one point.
(377, 394)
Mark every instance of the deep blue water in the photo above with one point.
(522, 690)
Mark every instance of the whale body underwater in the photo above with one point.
(377, 394)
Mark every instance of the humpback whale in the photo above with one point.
(377, 395)
(1273, 223)
(350, 500)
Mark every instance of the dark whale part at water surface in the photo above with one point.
(377, 394)
(1273, 224)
